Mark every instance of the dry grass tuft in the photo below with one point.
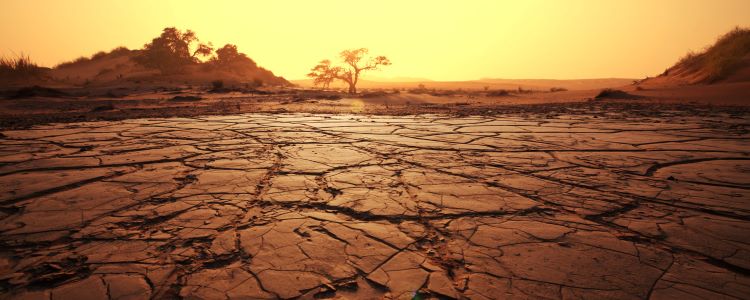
(20, 66)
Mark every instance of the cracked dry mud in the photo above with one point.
(347, 206)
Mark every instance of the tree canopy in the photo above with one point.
(170, 50)
(174, 49)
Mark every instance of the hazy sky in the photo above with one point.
(441, 40)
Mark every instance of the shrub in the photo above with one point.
(72, 62)
(498, 93)
(217, 84)
(119, 51)
(523, 91)
(18, 67)
(557, 89)
(98, 55)
(101, 54)
(613, 93)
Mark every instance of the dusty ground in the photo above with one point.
(577, 206)
(28, 111)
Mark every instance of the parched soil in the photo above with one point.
(581, 203)
(24, 113)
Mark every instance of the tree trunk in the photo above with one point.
(353, 86)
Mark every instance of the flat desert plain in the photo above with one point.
(585, 205)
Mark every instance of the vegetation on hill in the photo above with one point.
(173, 56)
(730, 53)
(116, 52)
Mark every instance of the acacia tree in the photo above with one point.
(354, 63)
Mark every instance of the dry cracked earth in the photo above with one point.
(307, 206)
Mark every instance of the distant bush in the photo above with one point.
(99, 55)
(524, 91)
(498, 93)
(557, 89)
(119, 51)
(443, 93)
(72, 62)
(217, 84)
(614, 94)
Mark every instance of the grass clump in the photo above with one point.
(18, 67)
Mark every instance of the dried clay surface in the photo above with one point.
(267, 206)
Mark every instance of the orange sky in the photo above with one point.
(440, 40)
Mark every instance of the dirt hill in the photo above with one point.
(119, 67)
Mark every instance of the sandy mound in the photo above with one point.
(119, 67)
(728, 60)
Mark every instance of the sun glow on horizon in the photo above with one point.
(439, 40)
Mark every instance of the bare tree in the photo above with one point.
(354, 63)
